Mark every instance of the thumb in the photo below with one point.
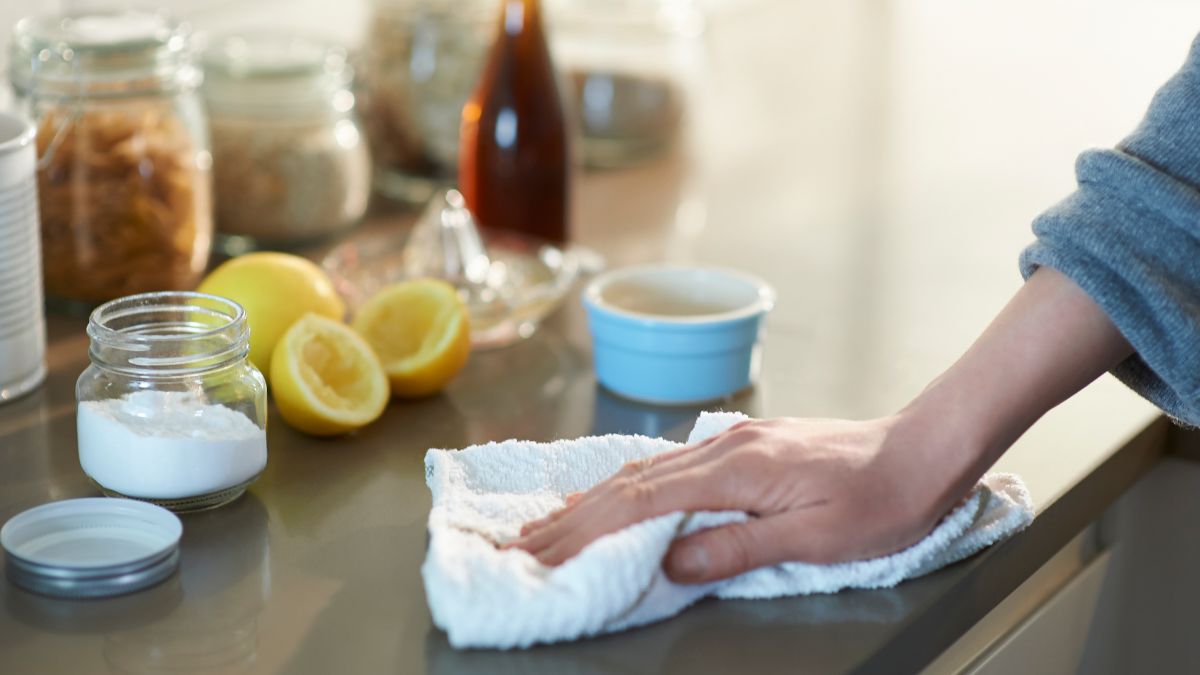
(727, 551)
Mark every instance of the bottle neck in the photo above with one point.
(168, 334)
(520, 17)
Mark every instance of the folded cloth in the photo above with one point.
(483, 596)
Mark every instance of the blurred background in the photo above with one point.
(888, 92)
(932, 130)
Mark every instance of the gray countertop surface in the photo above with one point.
(878, 163)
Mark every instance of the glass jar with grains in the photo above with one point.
(123, 168)
(421, 59)
(289, 163)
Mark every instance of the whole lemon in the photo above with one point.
(276, 289)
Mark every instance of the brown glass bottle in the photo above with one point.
(514, 168)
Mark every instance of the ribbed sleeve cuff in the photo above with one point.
(1130, 238)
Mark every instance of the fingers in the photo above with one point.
(647, 467)
(565, 529)
(638, 470)
(722, 552)
(623, 504)
(571, 499)
(534, 525)
(727, 551)
(676, 480)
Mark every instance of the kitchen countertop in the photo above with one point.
(879, 164)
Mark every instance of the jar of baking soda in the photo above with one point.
(170, 409)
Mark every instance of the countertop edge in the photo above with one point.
(994, 574)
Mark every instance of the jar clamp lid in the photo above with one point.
(275, 73)
(100, 53)
(90, 548)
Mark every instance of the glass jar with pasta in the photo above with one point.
(123, 160)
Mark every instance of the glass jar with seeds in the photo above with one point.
(420, 59)
(290, 165)
(634, 69)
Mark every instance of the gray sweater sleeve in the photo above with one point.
(1130, 237)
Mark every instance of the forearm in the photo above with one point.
(1049, 342)
(1128, 235)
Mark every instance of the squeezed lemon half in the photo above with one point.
(325, 378)
(421, 331)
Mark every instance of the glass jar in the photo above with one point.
(123, 168)
(421, 59)
(170, 409)
(289, 164)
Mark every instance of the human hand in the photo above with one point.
(818, 491)
(825, 491)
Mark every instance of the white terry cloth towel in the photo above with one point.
(486, 597)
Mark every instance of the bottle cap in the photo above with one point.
(90, 548)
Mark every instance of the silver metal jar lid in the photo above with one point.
(90, 548)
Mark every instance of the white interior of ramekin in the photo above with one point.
(680, 294)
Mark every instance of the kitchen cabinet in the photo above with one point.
(1120, 598)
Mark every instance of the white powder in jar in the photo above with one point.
(168, 445)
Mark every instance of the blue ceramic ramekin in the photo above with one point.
(675, 334)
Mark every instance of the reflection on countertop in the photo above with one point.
(224, 577)
(613, 414)
(200, 620)
(700, 635)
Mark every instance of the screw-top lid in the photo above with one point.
(91, 547)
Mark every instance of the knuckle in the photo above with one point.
(733, 428)
(755, 440)
(642, 494)
(622, 485)
(639, 466)
(742, 434)
(638, 497)
(634, 468)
